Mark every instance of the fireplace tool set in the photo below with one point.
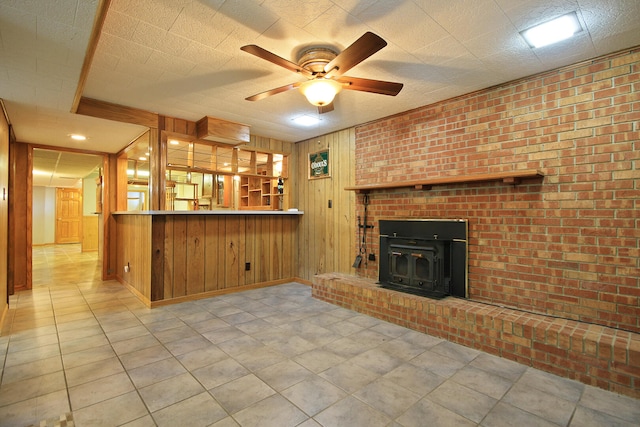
(362, 237)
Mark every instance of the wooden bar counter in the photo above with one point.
(167, 257)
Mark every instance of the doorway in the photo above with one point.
(65, 223)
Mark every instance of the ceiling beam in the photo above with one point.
(116, 112)
(98, 23)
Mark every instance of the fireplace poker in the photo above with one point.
(358, 261)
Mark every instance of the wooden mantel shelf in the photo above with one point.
(510, 177)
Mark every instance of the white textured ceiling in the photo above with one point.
(182, 58)
(53, 168)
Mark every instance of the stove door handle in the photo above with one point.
(417, 255)
(396, 253)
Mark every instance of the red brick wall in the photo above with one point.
(567, 245)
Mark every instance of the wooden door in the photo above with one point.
(68, 215)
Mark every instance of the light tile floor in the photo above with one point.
(80, 348)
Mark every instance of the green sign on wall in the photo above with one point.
(319, 164)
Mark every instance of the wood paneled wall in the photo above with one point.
(4, 214)
(208, 253)
(327, 235)
(133, 249)
(90, 238)
(178, 256)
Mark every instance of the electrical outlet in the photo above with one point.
(127, 268)
(330, 204)
(247, 266)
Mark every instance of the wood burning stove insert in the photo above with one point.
(424, 257)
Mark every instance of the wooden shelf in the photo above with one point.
(510, 177)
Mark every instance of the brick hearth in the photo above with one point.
(596, 355)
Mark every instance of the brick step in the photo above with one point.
(596, 355)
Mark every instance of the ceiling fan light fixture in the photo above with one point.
(320, 92)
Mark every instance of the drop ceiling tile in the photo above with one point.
(503, 38)
(205, 56)
(441, 51)
(392, 19)
(161, 14)
(297, 39)
(298, 13)
(335, 24)
(105, 61)
(159, 39)
(605, 36)
(513, 65)
(355, 7)
(165, 62)
(194, 27)
(119, 24)
(18, 27)
(124, 49)
(13, 57)
(465, 19)
(85, 13)
(252, 17)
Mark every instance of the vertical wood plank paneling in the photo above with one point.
(326, 238)
(133, 243)
(195, 255)
(212, 255)
(250, 249)
(157, 257)
(222, 253)
(4, 216)
(275, 233)
(179, 256)
(241, 247)
(168, 257)
(287, 247)
(174, 256)
(261, 250)
(232, 237)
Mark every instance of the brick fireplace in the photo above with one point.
(553, 263)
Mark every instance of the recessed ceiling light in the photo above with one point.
(306, 120)
(78, 137)
(174, 142)
(142, 158)
(553, 31)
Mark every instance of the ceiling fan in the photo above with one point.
(324, 69)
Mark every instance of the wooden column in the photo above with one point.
(20, 217)
(157, 168)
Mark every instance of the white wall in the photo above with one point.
(44, 215)
(89, 195)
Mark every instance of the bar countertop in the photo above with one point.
(213, 212)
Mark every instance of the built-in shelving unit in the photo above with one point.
(227, 177)
(510, 177)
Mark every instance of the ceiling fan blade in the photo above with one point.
(275, 59)
(325, 108)
(275, 91)
(373, 86)
(357, 52)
